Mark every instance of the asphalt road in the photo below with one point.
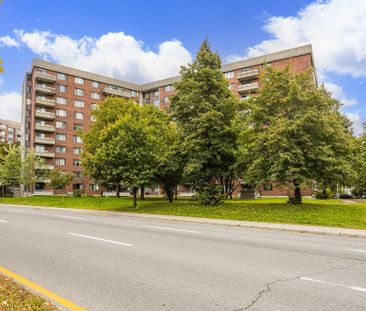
(105, 262)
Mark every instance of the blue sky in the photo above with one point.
(145, 40)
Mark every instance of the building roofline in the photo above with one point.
(249, 62)
(83, 74)
(11, 123)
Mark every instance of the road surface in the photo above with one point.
(115, 262)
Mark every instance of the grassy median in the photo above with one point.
(334, 213)
(14, 298)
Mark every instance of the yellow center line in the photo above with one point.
(41, 290)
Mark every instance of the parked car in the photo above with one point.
(344, 196)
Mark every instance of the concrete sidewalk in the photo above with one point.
(316, 230)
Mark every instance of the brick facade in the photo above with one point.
(10, 132)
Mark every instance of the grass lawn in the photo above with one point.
(13, 298)
(334, 213)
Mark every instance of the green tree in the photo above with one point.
(32, 171)
(204, 108)
(127, 150)
(106, 114)
(295, 133)
(170, 168)
(59, 180)
(10, 167)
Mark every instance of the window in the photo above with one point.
(169, 88)
(40, 122)
(61, 137)
(78, 174)
(94, 187)
(167, 100)
(229, 74)
(60, 162)
(79, 92)
(95, 95)
(77, 187)
(93, 118)
(134, 93)
(267, 187)
(78, 104)
(95, 84)
(40, 135)
(77, 139)
(38, 108)
(78, 127)
(62, 89)
(156, 93)
(93, 106)
(61, 113)
(61, 76)
(61, 100)
(231, 86)
(157, 103)
(60, 124)
(76, 162)
(79, 80)
(79, 115)
(77, 150)
(60, 149)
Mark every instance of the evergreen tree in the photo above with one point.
(204, 108)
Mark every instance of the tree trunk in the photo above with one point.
(324, 191)
(169, 192)
(134, 191)
(142, 192)
(176, 193)
(297, 193)
(118, 190)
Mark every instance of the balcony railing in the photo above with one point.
(45, 115)
(116, 92)
(45, 154)
(248, 74)
(45, 89)
(45, 167)
(44, 141)
(45, 102)
(248, 87)
(45, 128)
(42, 76)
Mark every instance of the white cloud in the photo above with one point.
(356, 121)
(338, 93)
(335, 28)
(10, 106)
(113, 54)
(8, 42)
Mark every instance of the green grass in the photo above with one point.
(14, 298)
(332, 213)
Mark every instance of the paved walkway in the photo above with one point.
(317, 230)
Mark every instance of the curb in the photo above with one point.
(304, 229)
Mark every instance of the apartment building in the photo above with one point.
(10, 132)
(58, 101)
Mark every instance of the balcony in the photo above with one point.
(116, 92)
(45, 115)
(248, 74)
(244, 88)
(45, 128)
(45, 167)
(46, 102)
(46, 77)
(45, 154)
(44, 141)
(45, 89)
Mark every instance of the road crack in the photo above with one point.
(268, 285)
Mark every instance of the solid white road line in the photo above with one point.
(98, 239)
(172, 229)
(3, 221)
(356, 250)
(71, 217)
(360, 289)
